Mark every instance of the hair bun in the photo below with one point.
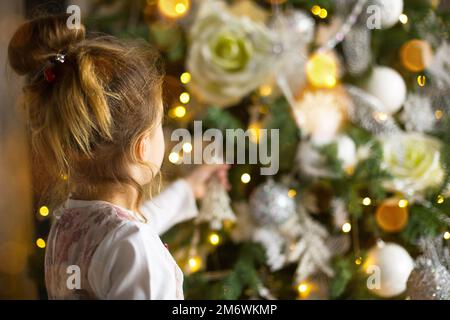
(38, 40)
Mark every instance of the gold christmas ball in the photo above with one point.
(322, 70)
(416, 55)
(392, 215)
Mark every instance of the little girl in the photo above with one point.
(94, 112)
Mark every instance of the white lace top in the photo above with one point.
(116, 255)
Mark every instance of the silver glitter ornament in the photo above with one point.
(430, 278)
(270, 204)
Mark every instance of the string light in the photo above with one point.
(40, 243)
(358, 261)
(187, 147)
(438, 114)
(255, 131)
(185, 77)
(367, 201)
(292, 193)
(447, 235)
(440, 199)
(315, 10)
(346, 227)
(421, 80)
(214, 238)
(174, 157)
(403, 203)
(194, 263)
(304, 289)
(173, 8)
(380, 116)
(185, 97)
(44, 211)
(64, 177)
(403, 18)
(245, 178)
(323, 13)
(322, 70)
(265, 90)
(177, 112)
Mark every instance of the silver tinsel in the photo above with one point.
(418, 114)
(366, 112)
(430, 279)
(357, 49)
(271, 205)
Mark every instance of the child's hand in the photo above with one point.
(198, 178)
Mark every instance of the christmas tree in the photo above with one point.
(358, 91)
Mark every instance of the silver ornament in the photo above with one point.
(270, 204)
(357, 50)
(430, 278)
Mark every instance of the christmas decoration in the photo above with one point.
(229, 56)
(416, 55)
(321, 114)
(413, 161)
(388, 86)
(430, 278)
(390, 216)
(357, 50)
(418, 114)
(322, 70)
(215, 207)
(390, 266)
(270, 204)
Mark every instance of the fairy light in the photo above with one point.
(315, 10)
(380, 116)
(304, 289)
(187, 147)
(292, 193)
(245, 178)
(178, 112)
(438, 114)
(255, 131)
(40, 243)
(185, 77)
(447, 235)
(346, 227)
(440, 199)
(421, 80)
(44, 211)
(403, 203)
(64, 177)
(265, 90)
(214, 238)
(367, 201)
(174, 157)
(358, 261)
(185, 97)
(323, 13)
(403, 18)
(173, 8)
(194, 263)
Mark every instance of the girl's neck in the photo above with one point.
(123, 196)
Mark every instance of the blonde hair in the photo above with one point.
(85, 124)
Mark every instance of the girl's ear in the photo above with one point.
(142, 145)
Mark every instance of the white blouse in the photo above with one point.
(131, 262)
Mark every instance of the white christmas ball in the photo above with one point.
(388, 266)
(388, 86)
(390, 10)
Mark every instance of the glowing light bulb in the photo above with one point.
(265, 90)
(403, 203)
(245, 178)
(438, 114)
(40, 243)
(367, 201)
(358, 261)
(178, 112)
(194, 263)
(403, 18)
(173, 8)
(440, 199)
(323, 13)
(447, 235)
(315, 10)
(292, 193)
(346, 227)
(44, 211)
(185, 97)
(187, 147)
(322, 70)
(304, 289)
(421, 80)
(174, 157)
(185, 77)
(214, 239)
(255, 131)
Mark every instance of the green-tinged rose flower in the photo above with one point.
(229, 56)
(414, 162)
